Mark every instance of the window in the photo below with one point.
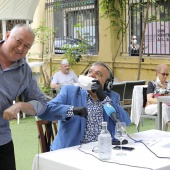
(157, 35)
(76, 20)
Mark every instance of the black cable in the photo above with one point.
(112, 161)
(147, 148)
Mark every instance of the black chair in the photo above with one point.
(120, 89)
(128, 92)
(53, 93)
(143, 115)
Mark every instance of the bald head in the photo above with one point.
(17, 43)
(16, 28)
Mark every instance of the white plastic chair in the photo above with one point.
(159, 123)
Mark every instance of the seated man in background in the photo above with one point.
(80, 112)
(63, 77)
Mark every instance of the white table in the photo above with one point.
(160, 100)
(73, 159)
(137, 103)
(34, 64)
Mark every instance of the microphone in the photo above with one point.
(111, 112)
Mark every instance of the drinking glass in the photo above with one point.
(120, 134)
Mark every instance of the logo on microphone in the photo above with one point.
(108, 105)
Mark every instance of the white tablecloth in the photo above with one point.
(34, 64)
(73, 159)
(137, 103)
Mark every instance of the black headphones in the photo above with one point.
(109, 82)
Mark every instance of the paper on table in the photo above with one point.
(151, 142)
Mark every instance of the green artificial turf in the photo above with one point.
(25, 137)
(26, 144)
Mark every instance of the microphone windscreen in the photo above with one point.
(109, 109)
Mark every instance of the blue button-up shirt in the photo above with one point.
(16, 80)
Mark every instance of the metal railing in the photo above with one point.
(76, 21)
(157, 35)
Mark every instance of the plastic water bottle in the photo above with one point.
(104, 143)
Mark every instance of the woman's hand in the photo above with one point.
(151, 99)
(154, 100)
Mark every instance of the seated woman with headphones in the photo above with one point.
(78, 110)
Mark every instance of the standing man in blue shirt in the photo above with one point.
(16, 79)
(80, 112)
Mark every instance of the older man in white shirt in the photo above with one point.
(64, 76)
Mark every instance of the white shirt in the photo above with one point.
(64, 79)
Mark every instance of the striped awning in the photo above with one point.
(17, 9)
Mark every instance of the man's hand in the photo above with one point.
(97, 88)
(80, 111)
(11, 112)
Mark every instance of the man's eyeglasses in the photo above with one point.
(165, 74)
(98, 73)
(134, 38)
